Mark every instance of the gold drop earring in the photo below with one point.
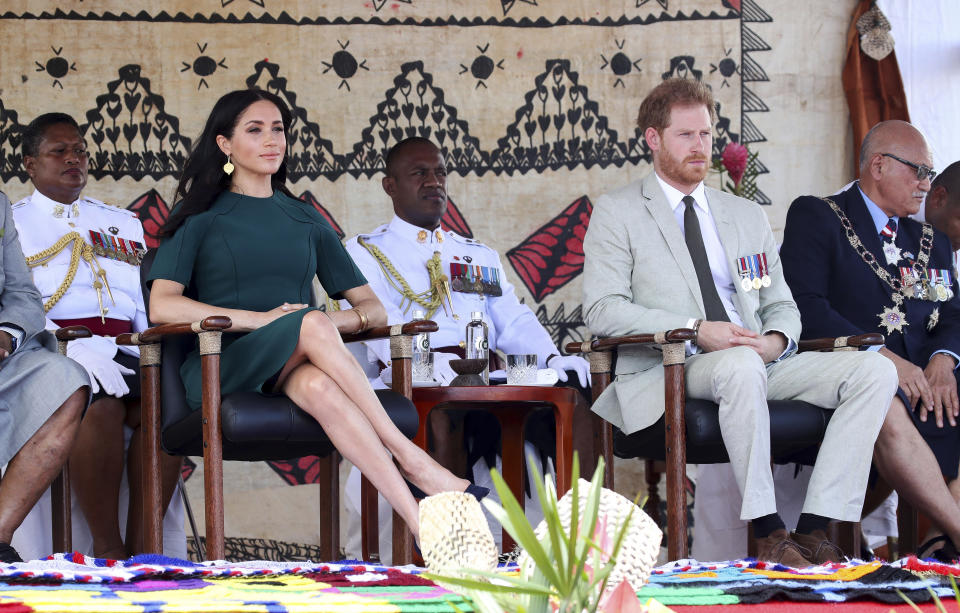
(228, 167)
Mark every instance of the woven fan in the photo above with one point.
(639, 549)
(454, 534)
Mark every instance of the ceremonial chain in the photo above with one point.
(891, 319)
(439, 283)
(80, 250)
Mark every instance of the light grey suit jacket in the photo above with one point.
(638, 279)
(20, 302)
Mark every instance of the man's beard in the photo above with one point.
(680, 172)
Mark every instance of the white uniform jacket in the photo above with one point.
(40, 227)
(513, 327)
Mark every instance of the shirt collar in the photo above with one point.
(876, 213)
(416, 233)
(675, 196)
(40, 200)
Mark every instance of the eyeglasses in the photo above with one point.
(923, 171)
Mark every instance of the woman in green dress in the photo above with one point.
(240, 244)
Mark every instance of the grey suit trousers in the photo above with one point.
(859, 386)
(34, 382)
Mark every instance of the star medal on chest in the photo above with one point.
(933, 319)
(117, 248)
(893, 320)
(892, 253)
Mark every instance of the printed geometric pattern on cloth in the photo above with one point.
(750, 581)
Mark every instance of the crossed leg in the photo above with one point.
(323, 378)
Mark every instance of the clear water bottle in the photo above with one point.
(477, 343)
(421, 342)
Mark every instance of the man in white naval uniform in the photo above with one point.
(397, 259)
(100, 288)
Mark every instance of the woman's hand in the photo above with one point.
(168, 305)
(280, 311)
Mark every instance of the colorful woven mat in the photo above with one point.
(688, 582)
(156, 584)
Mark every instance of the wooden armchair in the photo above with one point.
(247, 426)
(691, 428)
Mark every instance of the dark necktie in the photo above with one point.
(712, 306)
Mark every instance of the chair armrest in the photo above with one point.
(72, 333)
(214, 323)
(842, 343)
(678, 335)
(411, 328)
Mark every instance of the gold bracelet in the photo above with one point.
(363, 319)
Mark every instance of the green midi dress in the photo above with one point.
(254, 254)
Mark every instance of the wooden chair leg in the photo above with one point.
(329, 467)
(651, 475)
(369, 521)
(212, 452)
(846, 534)
(606, 449)
(150, 480)
(676, 459)
(402, 542)
(513, 464)
(909, 536)
(62, 521)
(563, 416)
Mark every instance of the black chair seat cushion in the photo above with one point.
(255, 427)
(796, 429)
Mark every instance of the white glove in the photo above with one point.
(441, 367)
(97, 358)
(563, 363)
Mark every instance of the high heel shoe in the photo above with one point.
(477, 491)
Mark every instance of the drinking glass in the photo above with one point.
(522, 369)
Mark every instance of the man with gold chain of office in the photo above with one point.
(84, 256)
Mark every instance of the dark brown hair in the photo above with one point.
(203, 177)
(655, 108)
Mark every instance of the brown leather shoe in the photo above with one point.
(824, 550)
(778, 548)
